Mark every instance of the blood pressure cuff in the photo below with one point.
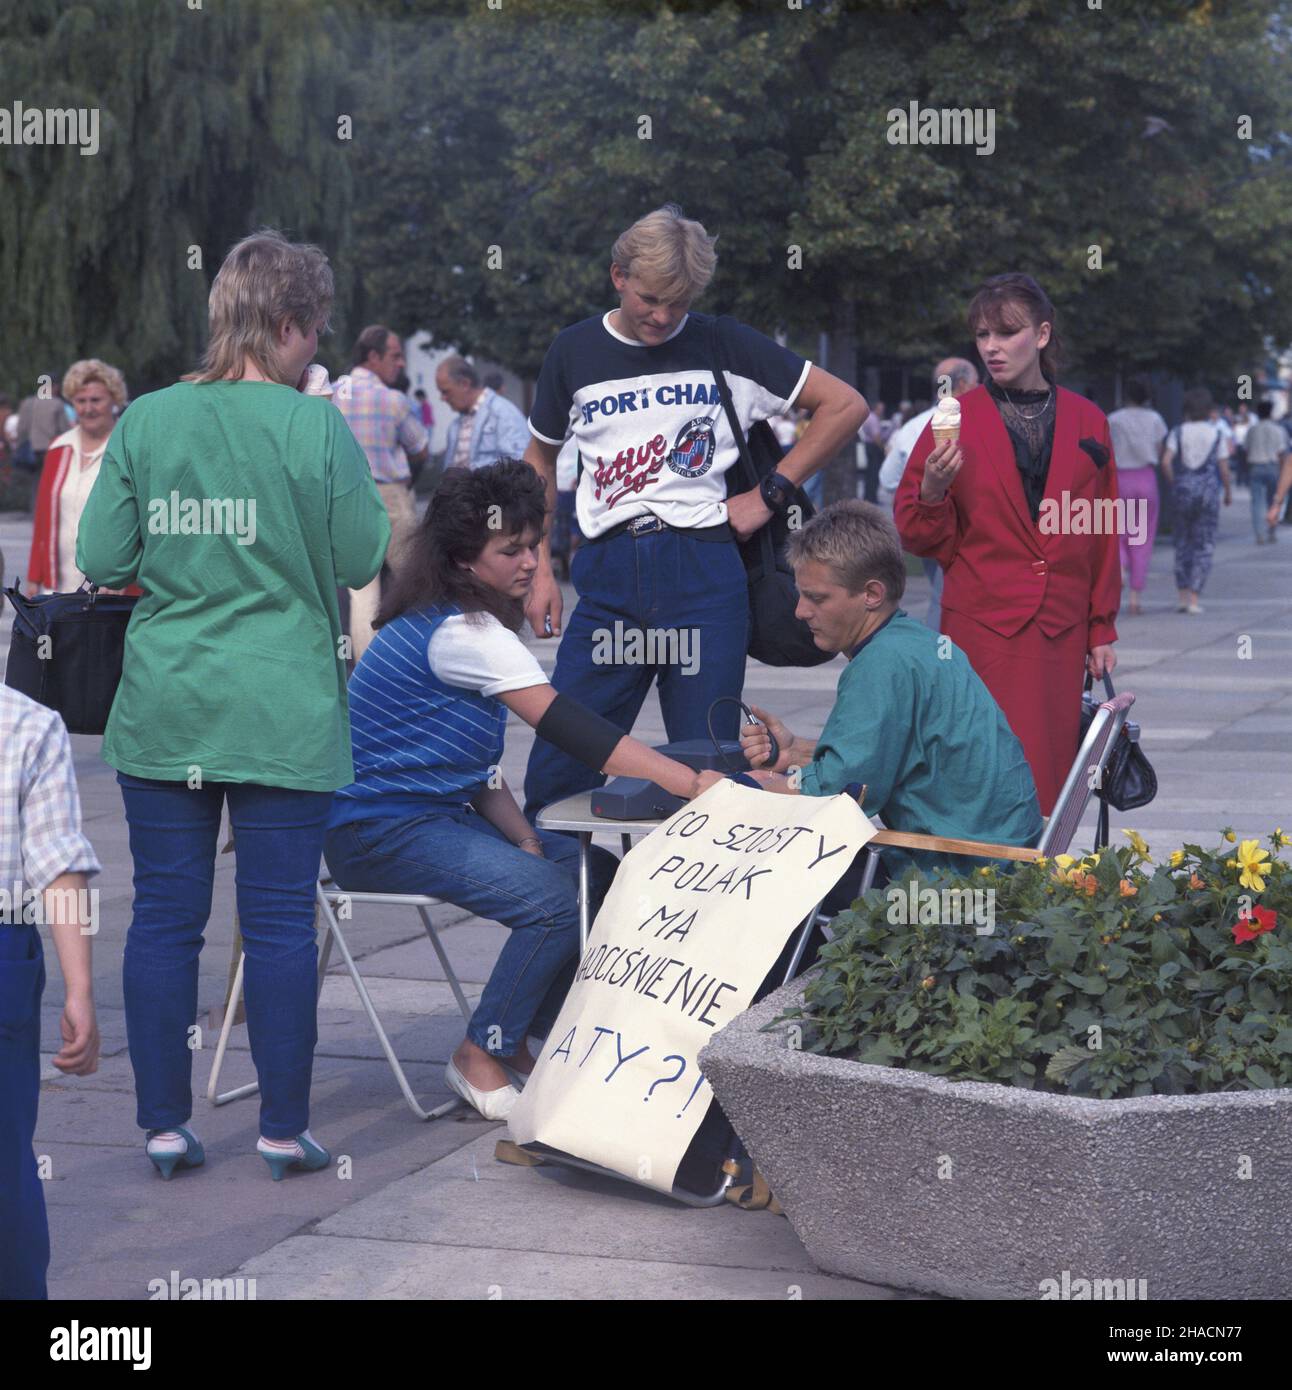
(576, 730)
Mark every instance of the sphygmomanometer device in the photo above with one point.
(635, 798)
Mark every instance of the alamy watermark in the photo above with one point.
(38, 125)
(30, 907)
(943, 125)
(203, 516)
(949, 907)
(652, 646)
(228, 1290)
(1083, 1290)
(1104, 516)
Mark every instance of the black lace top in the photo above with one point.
(1028, 416)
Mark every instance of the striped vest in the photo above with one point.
(415, 739)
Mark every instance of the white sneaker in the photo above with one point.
(492, 1105)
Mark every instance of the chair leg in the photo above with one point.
(872, 867)
(449, 973)
(366, 1000)
(235, 994)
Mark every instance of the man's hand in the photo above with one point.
(756, 746)
(940, 469)
(80, 1052)
(1101, 662)
(747, 513)
(545, 603)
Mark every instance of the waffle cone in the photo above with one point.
(941, 433)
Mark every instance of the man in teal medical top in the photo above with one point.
(911, 721)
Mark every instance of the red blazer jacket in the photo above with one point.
(1002, 568)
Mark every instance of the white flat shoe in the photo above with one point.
(492, 1105)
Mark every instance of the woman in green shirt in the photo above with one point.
(238, 504)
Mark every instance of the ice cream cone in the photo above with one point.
(941, 433)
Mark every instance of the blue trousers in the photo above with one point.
(664, 580)
(451, 853)
(278, 842)
(24, 1232)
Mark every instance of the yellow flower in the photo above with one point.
(1064, 861)
(1091, 859)
(1231, 863)
(1251, 857)
(1280, 839)
(1041, 862)
(1230, 836)
(1177, 858)
(1137, 842)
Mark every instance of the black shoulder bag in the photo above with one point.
(66, 652)
(1129, 781)
(776, 636)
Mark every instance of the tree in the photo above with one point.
(213, 121)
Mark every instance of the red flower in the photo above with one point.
(1245, 931)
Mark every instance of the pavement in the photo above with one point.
(423, 1210)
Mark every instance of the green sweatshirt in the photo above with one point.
(238, 507)
(922, 731)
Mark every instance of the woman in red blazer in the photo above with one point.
(1018, 512)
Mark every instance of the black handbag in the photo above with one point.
(776, 636)
(66, 652)
(1129, 781)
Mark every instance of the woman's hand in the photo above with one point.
(756, 746)
(1101, 662)
(940, 469)
(702, 781)
(1272, 516)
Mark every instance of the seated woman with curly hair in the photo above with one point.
(428, 811)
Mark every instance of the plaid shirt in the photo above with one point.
(383, 421)
(40, 810)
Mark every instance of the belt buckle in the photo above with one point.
(645, 526)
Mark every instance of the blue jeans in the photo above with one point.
(664, 580)
(278, 835)
(1264, 478)
(24, 1232)
(451, 853)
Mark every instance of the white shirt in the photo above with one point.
(899, 449)
(479, 653)
(71, 503)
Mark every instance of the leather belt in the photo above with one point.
(649, 525)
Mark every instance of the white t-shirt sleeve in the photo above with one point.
(482, 655)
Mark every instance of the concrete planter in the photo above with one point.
(984, 1191)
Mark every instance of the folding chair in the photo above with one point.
(1086, 774)
(326, 897)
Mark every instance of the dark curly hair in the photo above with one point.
(504, 498)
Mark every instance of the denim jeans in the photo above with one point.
(1264, 478)
(24, 1232)
(663, 580)
(451, 853)
(278, 840)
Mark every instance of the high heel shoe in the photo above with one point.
(307, 1155)
(167, 1153)
(491, 1105)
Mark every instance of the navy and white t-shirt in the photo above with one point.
(649, 423)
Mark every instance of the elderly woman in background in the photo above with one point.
(98, 395)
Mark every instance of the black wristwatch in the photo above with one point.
(776, 491)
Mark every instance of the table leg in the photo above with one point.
(585, 894)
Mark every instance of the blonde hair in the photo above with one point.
(80, 374)
(857, 542)
(670, 254)
(265, 280)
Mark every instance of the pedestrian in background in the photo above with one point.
(1138, 432)
(1195, 462)
(486, 426)
(1267, 445)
